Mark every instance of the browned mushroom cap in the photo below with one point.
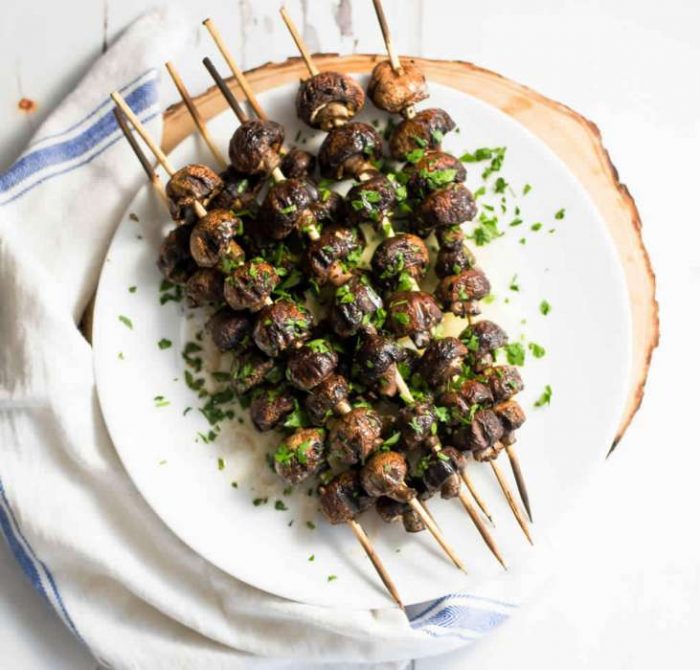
(393, 91)
(505, 381)
(322, 402)
(189, 185)
(254, 147)
(298, 164)
(441, 361)
(270, 406)
(512, 417)
(384, 474)
(286, 208)
(439, 474)
(204, 287)
(481, 436)
(390, 510)
(457, 459)
(433, 171)
(239, 191)
(229, 329)
(460, 293)
(330, 207)
(343, 498)
(473, 392)
(251, 285)
(418, 425)
(174, 259)
(330, 257)
(483, 338)
(371, 200)
(328, 100)
(356, 308)
(375, 361)
(311, 364)
(403, 253)
(450, 262)
(412, 137)
(450, 238)
(213, 243)
(350, 151)
(413, 314)
(281, 326)
(300, 455)
(448, 206)
(249, 370)
(354, 436)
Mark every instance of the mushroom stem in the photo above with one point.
(150, 142)
(298, 40)
(435, 532)
(225, 90)
(393, 56)
(511, 499)
(404, 391)
(235, 70)
(147, 167)
(194, 113)
(519, 478)
(343, 407)
(376, 561)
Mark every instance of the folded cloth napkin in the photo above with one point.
(115, 574)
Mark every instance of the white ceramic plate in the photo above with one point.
(586, 336)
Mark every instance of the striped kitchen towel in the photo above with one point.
(87, 541)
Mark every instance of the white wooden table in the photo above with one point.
(625, 594)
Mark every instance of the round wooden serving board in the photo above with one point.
(575, 139)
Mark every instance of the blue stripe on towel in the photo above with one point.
(139, 100)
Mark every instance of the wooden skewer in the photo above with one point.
(511, 500)
(194, 113)
(519, 479)
(393, 56)
(376, 561)
(298, 40)
(152, 175)
(435, 532)
(237, 72)
(483, 531)
(475, 494)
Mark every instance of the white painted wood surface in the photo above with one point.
(625, 592)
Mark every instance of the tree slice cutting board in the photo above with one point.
(575, 139)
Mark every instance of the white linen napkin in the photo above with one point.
(116, 575)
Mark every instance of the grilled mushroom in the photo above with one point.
(375, 362)
(460, 293)
(424, 131)
(251, 285)
(281, 326)
(249, 370)
(300, 455)
(189, 185)
(450, 238)
(392, 510)
(483, 338)
(371, 200)
(229, 329)
(512, 417)
(239, 191)
(350, 151)
(327, 398)
(254, 147)
(448, 206)
(213, 243)
(439, 474)
(270, 406)
(505, 381)
(354, 436)
(286, 208)
(441, 361)
(384, 474)
(298, 164)
(394, 91)
(418, 425)
(330, 207)
(343, 498)
(403, 253)
(450, 262)
(328, 258)
(433, 171)
(328, 100)
(482, 436)
(413, 314)
(356, 308)
(205, 287)
(311, 364)
(174, 259)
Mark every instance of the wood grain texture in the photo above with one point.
(575, 139)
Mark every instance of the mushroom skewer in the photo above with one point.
(199, 122)
(288, 203)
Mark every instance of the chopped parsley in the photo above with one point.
(515, 353)
(259, 501)
(132, 289)
(160, 401)
(164, 343)
(526, 189)
(332, 578)
(126, 321)
(220, 463)
(514, 286)
(280, 506)
(536, 350)
(545, 397)
(560, 214)
(545, 308)
(311, 558)
(311, 525)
